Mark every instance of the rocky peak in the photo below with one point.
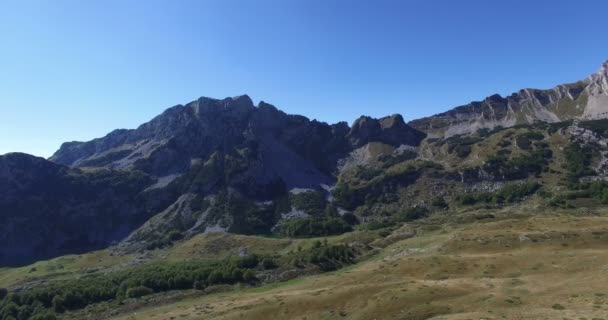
(495, 98)
(600, 78)
(390, 130)
(236, 106)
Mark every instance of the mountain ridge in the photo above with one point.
(585, 99)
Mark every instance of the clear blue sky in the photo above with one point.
(75, 70)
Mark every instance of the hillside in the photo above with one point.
(49, 210)
(546, 267)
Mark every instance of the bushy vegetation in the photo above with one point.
(439, 203)
(461, 145)
(326, 257)
(246, 217)
(78, 293)
(138, 291)
(314, 227)
(461, 151)
(311, 201)
(126, 182)
(324, 219)
(524, 140)
(413, 213)
(594, 190)
(346, 196)
(163, 241)
(518, 167)
(486, 132)
(600, 127)
(463, 140)
(390, 160)
(353, 192)
(578, 159)
(509, 193)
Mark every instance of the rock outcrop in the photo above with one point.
(391, 130)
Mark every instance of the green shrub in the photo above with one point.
(350, 218)
(249, 276)
(520, 167)
(512, 192)
(391, 159)
(58, 304)
(269, 263)
(467, 199)
(174, 235)
(330, 258)
(345, 196)
(3, 293)
(199, 285)
(596, 189)
(215, 277)
(524, 140)
(78, 293)
(578, 160)
(367, 173)
(439, 202)
(377, 224)
(461, 151)
(413, 213)
(509, 193)
(314, 227)
(9, 309)
(598, 126)
(248, 261)
(139, 291)
(312, 202)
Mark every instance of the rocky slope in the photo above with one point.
(584, 100)
(280, 144)
(48, 209)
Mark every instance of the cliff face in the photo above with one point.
(182, 134)
(584, 100)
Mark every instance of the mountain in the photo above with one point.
(182, 136)
(584, 100)
(208, 165)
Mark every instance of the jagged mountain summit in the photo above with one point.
(584, 100)
(183, 135)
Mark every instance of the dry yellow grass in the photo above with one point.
(61, 267)
(531, 268)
